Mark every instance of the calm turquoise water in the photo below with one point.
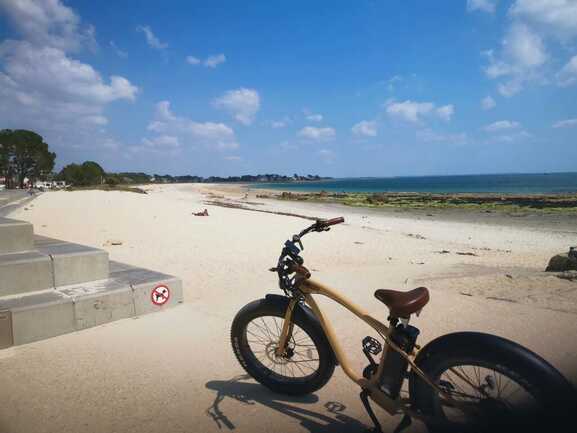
(495, 183)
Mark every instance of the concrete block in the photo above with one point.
(25, 272)
(39, 316)
(6, 329)
(143, 282)
(100, 302)
(73, 263)
(15, 236)
(143, 303)
(48, 313)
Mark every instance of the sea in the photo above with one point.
(543, 183)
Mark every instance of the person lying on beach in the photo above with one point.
(203, 213)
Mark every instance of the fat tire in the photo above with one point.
(242, 351)
(552, 391)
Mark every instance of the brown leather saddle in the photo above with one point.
(403, 304)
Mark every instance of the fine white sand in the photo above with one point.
(163, 372)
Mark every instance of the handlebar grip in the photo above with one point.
(334, 221)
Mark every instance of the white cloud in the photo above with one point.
(283, 123)
(446, 112)
(210, 62)
(568, 123)
(118, 51)
(365, 127)
(430, 136)
(315, 117)
(312, 117)
(524, 47)
(214, 61)
(502, 125)
(481, 5)
(151, 39)
(47, 72)
(43, 88)
(216, 136)
(392, 82)
(94, 120)
(506, 131)
(242, 104)
(557, 17)
(414, 112)
(48, 23)
(511, 137)
(313, 133)
(233, 158)
(522, 54)
(488, 103)
(193, 60)
(510, 88)
(162, 141)
(409, 110)
(46, 89)
(567, 76)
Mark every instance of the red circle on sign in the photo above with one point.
(160, 295)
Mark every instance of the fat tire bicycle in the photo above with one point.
(463, 381)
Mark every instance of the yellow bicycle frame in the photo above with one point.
(308, 288)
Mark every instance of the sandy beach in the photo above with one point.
(175, 371)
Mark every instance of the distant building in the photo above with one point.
(50, 184)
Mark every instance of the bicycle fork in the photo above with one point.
(287, 329)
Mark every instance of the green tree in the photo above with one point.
(93, 173)
(5, 151)
(24, 154)
(89, 173)
(72, 174)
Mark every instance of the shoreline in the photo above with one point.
(560, 221)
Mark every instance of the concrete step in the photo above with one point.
(37, 316)
(52, 263)
(15, 236)
(127, 293)
(73, 263)
(25, 272)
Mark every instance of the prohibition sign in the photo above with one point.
(159, 295)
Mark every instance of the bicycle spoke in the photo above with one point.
(278, 329)
(301, 358)
(263, 330)
(495, 394)
(261, 341)
(267, 329)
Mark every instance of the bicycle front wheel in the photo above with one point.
(308, 364)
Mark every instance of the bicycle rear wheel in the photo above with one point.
(500, 386)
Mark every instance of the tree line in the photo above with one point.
(26, 158)
(24, 155)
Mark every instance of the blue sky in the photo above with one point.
(339, 88)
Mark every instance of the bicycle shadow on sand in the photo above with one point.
(249, 393)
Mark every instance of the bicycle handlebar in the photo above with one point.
(290, 261)
(332, 222)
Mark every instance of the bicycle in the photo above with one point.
(456, 382)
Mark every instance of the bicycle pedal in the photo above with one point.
(372, 346)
